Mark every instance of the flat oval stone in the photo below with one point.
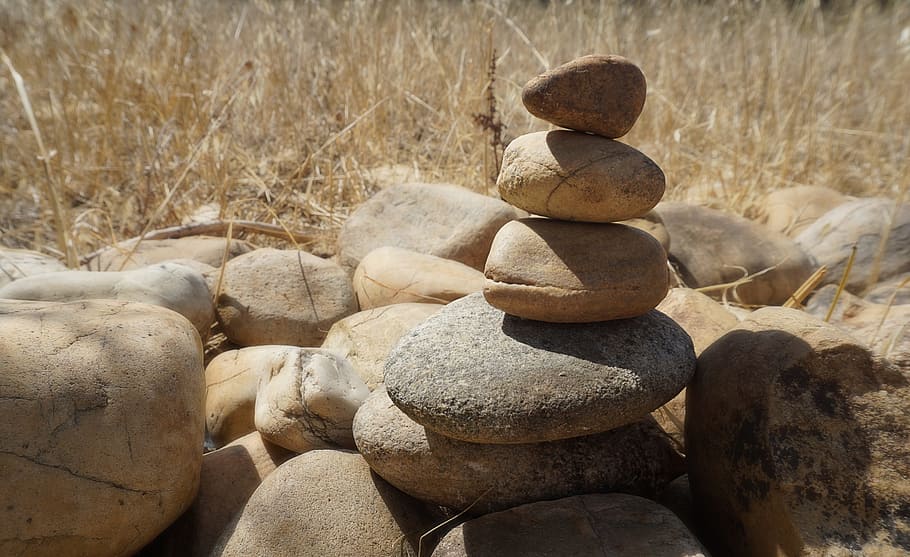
(577, 176)
(581, 272)
(595, 93)
(636, 458)
(477, 374)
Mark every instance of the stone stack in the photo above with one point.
(541, 387)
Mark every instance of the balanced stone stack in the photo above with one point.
(542, 386)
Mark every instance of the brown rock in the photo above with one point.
(390, 275)
(327, 503)
(204, 249)
(289, 297)
(438, 219)
(594, 93)
(577, 176)
(102, 429)
(651, 223)
(713, 248)
(797, 442)
(791, 210)
(581, 272)
(608, 525)
(367, 337)
(636, 458)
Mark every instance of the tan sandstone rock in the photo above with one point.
(231, 383)
(18, 263)
(205, 249)
(291, 297)
(595, 93)
(796, 440)
(791, 210)
(390, 275)
(366, 338)
(307, 398)
(170, 285)
(438, 219)
(102, 429)
(327, 503)
(574, 272)
(608, 525)
(577, 176)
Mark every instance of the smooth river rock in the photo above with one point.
(792, 210)
(581, 272)
(102, 429)
(602, 94)
(474, 373)
(231, 382)
(577, 176)
(204, 249)
(635, 458)
(18, 263)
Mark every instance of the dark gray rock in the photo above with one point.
(637, 458)
(475, 373)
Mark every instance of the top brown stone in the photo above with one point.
(595, 93)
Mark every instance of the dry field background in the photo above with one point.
(293, 113)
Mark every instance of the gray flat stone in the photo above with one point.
(474, 373)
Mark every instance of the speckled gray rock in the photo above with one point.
(796, 439)
(713, 248)
(578, 176)
(18, 263)
(893, 291)
(474, 373)
(438, 219)
(862, 222)
(327, 503)
(604, 525)
(635, 458)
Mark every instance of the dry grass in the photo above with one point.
(279, 112)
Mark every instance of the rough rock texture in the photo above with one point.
(229, 476)
(474, 373)
(367, 337)
(581, 272)
(712, 248)
(291, 297)
(705, 320)
(577, 176)
(595, 93)
(607, 525)
(307, 398)
(862, 222)
(170, 285)
(390, 275)
(797, 442)
(205, 249)
(327, 503)
(651, 223)
(438, 219)
(893, 291)
(636, 458)
(882, 327)
(18, 263)
(231, 383)
(102, 429)
(791, 210)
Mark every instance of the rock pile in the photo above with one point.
(541, 387)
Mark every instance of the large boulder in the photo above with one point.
(390, 275)
(18, 263)
(714, 248)
(204, 249)
(170, 285)
(438, 219)
(327, 503)
(864, 223)
(102, 429)
(636, 458)
(475, 373)
(791, 210)
(367, 337)
(608, 525)
(291, 297)
(796, 439)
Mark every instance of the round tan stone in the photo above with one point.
(204, 249)
(570, 272)
(651, 223)
(390, 275)
(792, 210)
(595, 93)
(230, 393)
(18, 263)
(577, 176)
